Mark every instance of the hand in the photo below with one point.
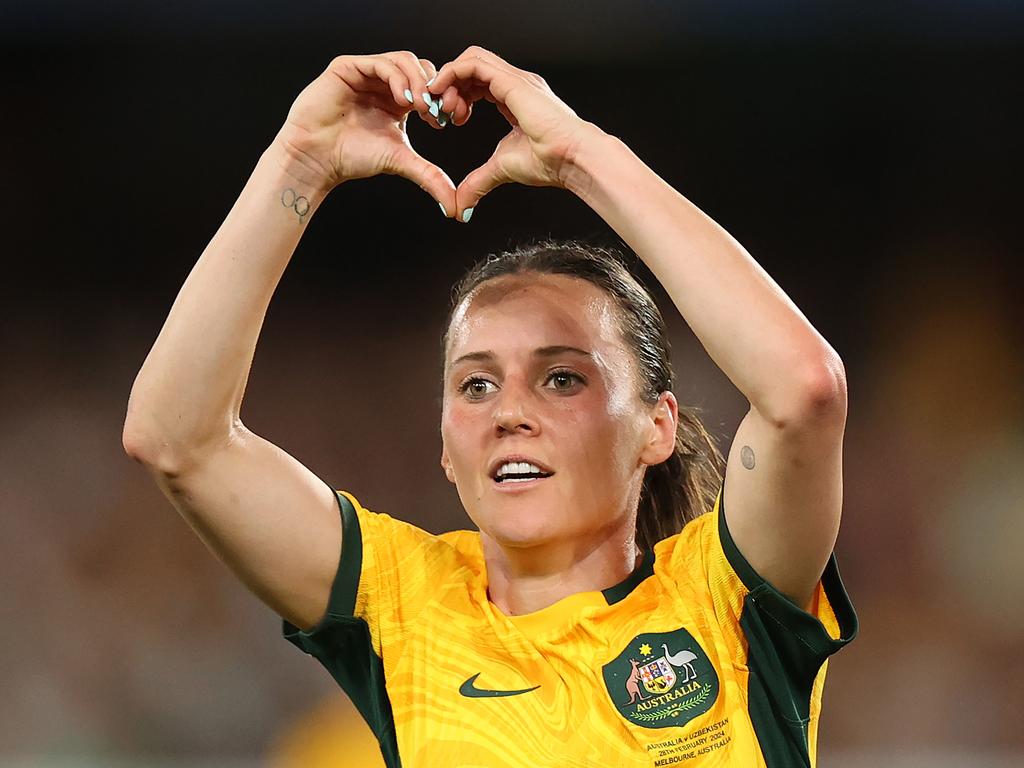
(350, 123)
(539, 150)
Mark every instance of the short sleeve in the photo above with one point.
(784, 647)
(380, 586)
(819, 634)
(383, 578)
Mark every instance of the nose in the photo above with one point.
(513, 412)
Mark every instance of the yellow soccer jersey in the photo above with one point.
(694, 660)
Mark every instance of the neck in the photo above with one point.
(527, 579)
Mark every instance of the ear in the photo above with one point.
(661, 435)
(446, 465)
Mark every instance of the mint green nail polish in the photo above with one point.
(431, 80)
(441, 206)
(408, 95)
(467, 215)
(427, 99)
(434, 109)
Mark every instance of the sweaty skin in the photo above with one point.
(573, 531)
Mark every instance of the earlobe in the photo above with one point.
(446, 465)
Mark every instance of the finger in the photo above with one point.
(416, 75)
(467, 93)
(484, 53)
(431, 113)
(476, 53)
(428, 68)
(454, 104)
(473, 54)
(498, 81)
(480, 182)
(450, 97)
(381, 70)
(406, 162)
(442, 107)
(428, 118)
(462, 117)
(430, 71)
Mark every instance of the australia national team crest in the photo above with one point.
(661, 679)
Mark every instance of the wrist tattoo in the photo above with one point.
(747, 457)
(298, 203)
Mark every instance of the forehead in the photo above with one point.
(536, 310)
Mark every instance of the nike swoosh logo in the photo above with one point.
(470, 690)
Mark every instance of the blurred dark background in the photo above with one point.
(866, 154)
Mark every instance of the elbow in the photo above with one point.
(817, 399)
(169, 444)
(169, 455)
(150, 451)
(138, 436)
(823, 394)
(159, 450)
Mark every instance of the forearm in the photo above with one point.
(189, 391)
(744, 320)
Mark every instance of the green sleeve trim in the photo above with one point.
(750, 578)
(786, 649)
(791, 615)
(341, 642)
(346, 582)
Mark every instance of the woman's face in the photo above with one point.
(536, 372)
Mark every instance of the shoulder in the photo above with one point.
(689, 552)
(402, 543)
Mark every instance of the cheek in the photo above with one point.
(602, 442)
(457, 430)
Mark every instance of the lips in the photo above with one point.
(517, 458)
(516, 486)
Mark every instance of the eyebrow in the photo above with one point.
(551, 351)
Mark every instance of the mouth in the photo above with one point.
(519, 472)
(519, 485)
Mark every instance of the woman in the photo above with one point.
(584, 624)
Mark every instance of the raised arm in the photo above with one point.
(783, 491)
(264, 514)
(783, 485)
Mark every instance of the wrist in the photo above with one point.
(584, 164)
(291, 156)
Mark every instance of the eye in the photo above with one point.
(475, 388)
(564, 380)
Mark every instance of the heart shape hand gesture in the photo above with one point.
(350, 123)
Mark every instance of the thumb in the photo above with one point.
(406, 162)
(478, 183)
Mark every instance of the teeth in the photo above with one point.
(517, 468)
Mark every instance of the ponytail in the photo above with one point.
(682, 487)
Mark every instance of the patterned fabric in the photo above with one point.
(693, 660)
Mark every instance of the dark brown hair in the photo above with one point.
(687, 483)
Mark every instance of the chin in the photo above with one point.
(521, 528)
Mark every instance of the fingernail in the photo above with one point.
(408, 95)
(434, 109)
(427, 99)
(442, 120)
(467, 215)
(431, 80)
(441, 206)
(440, 105)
